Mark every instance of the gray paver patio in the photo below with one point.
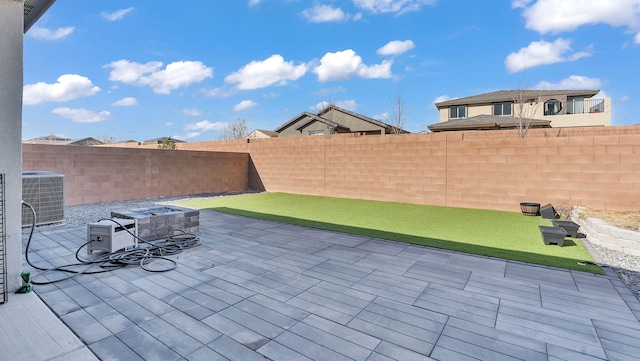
(257, 290)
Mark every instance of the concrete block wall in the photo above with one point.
(595, 167)
(105, 174)
(603, 234)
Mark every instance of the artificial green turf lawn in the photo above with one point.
(498, 234)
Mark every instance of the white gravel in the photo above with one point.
(89, 213)
(626, 266)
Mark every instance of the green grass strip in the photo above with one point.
(505, 235)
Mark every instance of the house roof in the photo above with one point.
(269, 133)
(33, 10)
(353, 114)
(160, 140)
(49, 139)
(314, 118)
(311, 118)
(510, 95)
(319, 117)
(484, 122)
(85, 141)
(54, 139)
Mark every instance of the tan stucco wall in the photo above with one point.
(355, 124)
(475, 110)
(291, 130)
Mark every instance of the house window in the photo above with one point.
(459, 111)
(575, 105)
(552, 107)
(316, 132)
(502, 108)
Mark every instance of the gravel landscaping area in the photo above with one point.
(626, 266)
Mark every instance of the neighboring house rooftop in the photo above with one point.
(338, 124)
(160, 140)
(510, 95)
(485, 122)
(359, 116)
(53, 139)
(261, 133)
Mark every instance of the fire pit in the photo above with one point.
(161, 222)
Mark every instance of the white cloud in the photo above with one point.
(383, 116)
(48, 34)
(116, 15)
(324, 14)
(218, 92)
(442, 98)
(81, 115)
(624, 99)
(520, 3)
(125, 102)
(396, 47)
(254, 2)
(189, 135)
(244, 105)
(261, 74)
(162, 81)
(168, 124)
(556, 16)
(392, 6)
(319, 106)
(542, 53)
(572, 82)
(349, 104)
(205, 125)
(601, 95)
(192, 112)
(67, 87)
(345, 64)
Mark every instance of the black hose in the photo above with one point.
(142, 255)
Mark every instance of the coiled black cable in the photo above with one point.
(143, 255)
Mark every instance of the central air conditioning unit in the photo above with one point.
(45, 192)
(110, 235)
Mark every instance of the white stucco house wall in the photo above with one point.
(16, 17)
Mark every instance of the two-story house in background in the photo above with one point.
(546, 108)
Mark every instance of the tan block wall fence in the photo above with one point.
(594, 167)
(105, 174)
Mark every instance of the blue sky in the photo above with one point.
(147, 69)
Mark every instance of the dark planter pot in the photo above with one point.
(530, 209)
(570, 227)
(553, 235)
(547, 211)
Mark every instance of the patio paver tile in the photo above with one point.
(171, 336)
(112, 348)
(233, 350)
(258, 289)
(145, 345)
